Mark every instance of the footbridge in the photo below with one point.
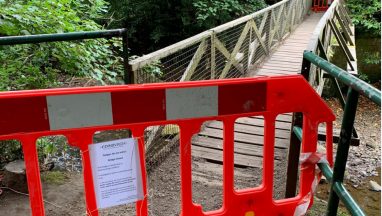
(292, 37)
(271, 43)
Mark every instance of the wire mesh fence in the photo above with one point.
(231, 50)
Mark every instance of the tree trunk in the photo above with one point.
(14, 176)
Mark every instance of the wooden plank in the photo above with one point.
(285, 59)
(194, 62)
(260, 122)
(240, 148)
(268, 74)
(235, 50)
(259, 38)
(256, 130)
(245, 138)
(281, 118)
(216, 155)
(279, 71)
(220, 46)
(294, 67)
(213, 55)
(286, 64)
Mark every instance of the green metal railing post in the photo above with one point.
(356, 87)
(295, 144)
(343, 148)
(128, 77)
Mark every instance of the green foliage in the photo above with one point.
(54, 177)
(46, 145)
(372, 58)
(366, 15)
(10, 151)
(211, 13)
(39, 65)
(153, 24)
(154, 69)
(364, 77)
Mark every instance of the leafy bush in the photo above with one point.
(39, 65)
(372, 58)
(10, 151)
(363, 77)
(154, 24)
(366, 15)
(211, 13)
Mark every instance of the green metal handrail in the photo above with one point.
(356, 87)
(338, 187)
(346, 78)
(42, 38)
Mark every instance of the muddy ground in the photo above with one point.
(163, 190)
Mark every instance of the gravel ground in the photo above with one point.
(364, 160)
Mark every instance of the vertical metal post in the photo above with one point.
(343, 148)
(128, 76)
(295, 144)
(293, 158)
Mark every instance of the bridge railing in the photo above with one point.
(336, 177)
(227, 51)
(334, 27)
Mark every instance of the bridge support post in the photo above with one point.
(128, 76)
(343, 148)
(293, 158)
(213, 55)
(295, 144)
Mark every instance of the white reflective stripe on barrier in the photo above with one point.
(194, 102)
(79, 110)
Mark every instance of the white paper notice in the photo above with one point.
(116, 172)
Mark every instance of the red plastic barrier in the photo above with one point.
(78, 113)
(320, 5)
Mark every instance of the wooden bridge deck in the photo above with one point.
(249, 132)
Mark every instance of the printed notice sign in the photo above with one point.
(116, 172)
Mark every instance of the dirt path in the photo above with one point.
(163, 186)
